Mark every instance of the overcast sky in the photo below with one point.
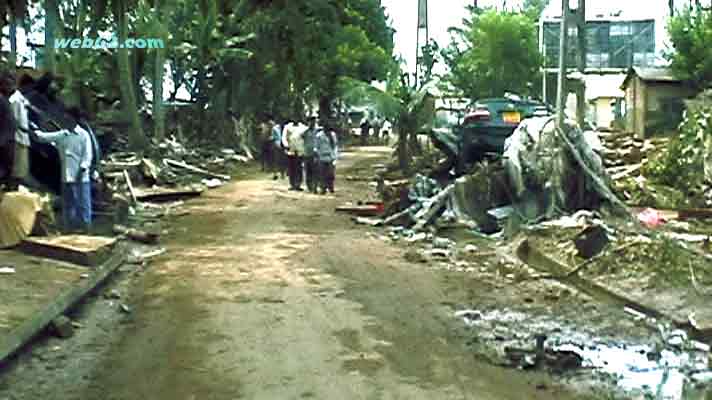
(446, 13)
(442, 14)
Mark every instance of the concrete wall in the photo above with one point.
(635, 100)
(603, 112)
(649, 106)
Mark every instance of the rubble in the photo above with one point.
(62, 327)
(7, 270)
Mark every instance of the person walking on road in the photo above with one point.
(365, 130)
(278, 155)
(293, 144)
(327, 152)
(310, 160)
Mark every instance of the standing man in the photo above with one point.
(278, 156)
(20, 106)
(75, 155)
(92, 156)
(365, 129)
(293, 143)
(310, 161)
(7, 128)
(327, 152)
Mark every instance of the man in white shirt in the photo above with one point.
(75, 152)
(293, 144)
(21, 166)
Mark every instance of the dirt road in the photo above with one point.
(268, 294)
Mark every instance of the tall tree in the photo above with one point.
(501, 55)
(690, 34)
(51, 20)
(121, 11)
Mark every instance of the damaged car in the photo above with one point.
(490, 122)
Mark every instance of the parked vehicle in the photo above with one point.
(490, 122)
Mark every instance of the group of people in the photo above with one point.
(20, 126)
(307, 152)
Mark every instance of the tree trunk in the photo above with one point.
(52, 14)
(13, 39)
(137, 140)
(159, 116)
(403, 156)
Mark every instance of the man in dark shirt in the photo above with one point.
(7, 127)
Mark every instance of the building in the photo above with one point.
(654, 100)
(604, 97)
(620, 35)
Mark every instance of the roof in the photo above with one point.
(612, 10)
(651, 75)
(604, 86)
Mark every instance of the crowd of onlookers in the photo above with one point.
(305, 152)
(30, 113)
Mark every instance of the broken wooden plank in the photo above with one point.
(78, 249)
(17, 338)
(130, 185)
(137, 235)
(361, 210)
(161, 194)
(625, 171)
(149, 170)
(695, 213)
(368, 221)
(180, 164)
(142, 257)
(437, 205)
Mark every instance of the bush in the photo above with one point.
(682, 164)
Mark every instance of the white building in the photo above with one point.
(620, 34)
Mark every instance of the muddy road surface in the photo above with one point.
(266, 293)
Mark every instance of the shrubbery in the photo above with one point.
(682, 164)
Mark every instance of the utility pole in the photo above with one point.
(561, 86)
(422, 27)
(581, 63)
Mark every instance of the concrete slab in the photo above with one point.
(78, 249)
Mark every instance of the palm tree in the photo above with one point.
(410, 110)
(120, 11)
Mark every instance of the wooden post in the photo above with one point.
(561, 87)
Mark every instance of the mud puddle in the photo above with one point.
(667, 365)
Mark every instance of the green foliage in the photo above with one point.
(671, 263)
(691, 34)
(304, 47)
(534, 8)
(501, 55)
(682, 163)
(234, 57)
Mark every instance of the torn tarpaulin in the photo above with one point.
(552, 171)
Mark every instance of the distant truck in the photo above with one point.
(489, 122)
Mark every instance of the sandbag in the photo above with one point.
(18, 213)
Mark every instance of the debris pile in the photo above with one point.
(545, 172)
